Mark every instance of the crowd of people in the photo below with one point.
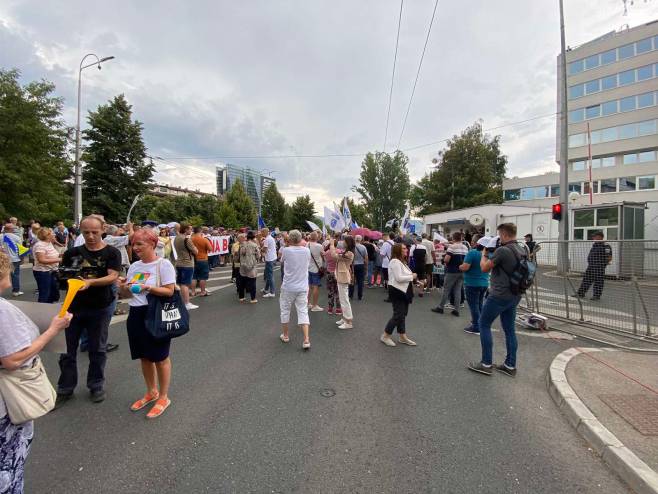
(138, 262)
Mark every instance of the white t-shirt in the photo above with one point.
(385, 252)
(270, 244)
(296, 261)
(79, 240)
(316, 253)
(142, 273)
(120, 243)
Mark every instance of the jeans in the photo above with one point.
(371, 270)
(359, 273)
(16, 277)
(269, 276)
(475, 298)
(48, 286)
(506, 309)
(97, 323)
(400, 311)
(452, 288)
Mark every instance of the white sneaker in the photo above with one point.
(340, 321)
(269, 295)
(18, 294)
(345, 326)
(191, 306)
(316, 308)
(386, 340)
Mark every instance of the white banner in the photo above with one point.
(219, 245)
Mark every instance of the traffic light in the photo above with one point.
(557, 212)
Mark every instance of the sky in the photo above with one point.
(221, 81)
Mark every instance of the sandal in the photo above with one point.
(284, 338)
(206, 294)
(148, 398)
(158, 409)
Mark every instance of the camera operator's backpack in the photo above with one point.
(523, 275)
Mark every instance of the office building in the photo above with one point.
(166, 190)
(253, 181)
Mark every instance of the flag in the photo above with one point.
(261, 223)
(389, 223)
(18, 249)
(347, 214)
(405, 222)
(324, 230)
(334, 219)
(355, 224)
(313, 226)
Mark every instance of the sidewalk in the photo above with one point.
(611, 397)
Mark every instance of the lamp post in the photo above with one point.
(77, 208)
(563, 247)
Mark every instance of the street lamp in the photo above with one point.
(77, 208)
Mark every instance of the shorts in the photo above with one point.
(184, 276)
(314, 279)
(299, 300)
(201, 270)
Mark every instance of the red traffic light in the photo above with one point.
(557, 211)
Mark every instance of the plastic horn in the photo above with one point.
(74, 287)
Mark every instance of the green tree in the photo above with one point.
(115, 169)
(227, 216)
(274, 207)
(384, 186)
(34, 166)
(301, 210)
(469, 172)
(359, 213)
(244, 208)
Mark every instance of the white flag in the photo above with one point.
(334, 220)
(313, 226)
(405, 222)
(347, 214)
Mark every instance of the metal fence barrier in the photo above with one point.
(611, 284)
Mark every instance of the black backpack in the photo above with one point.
(523, 275)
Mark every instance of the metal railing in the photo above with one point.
(611, 284)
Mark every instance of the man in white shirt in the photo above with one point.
(269, 246)
(429, 260)
(385, 252)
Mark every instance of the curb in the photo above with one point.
(637, 474)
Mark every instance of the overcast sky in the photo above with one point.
(309, 77)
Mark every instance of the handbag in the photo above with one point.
(321, 269)
(166, 317)
(27, 392)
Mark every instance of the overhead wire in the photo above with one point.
(420, 65)
(390, 93)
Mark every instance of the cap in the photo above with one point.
(484, 241)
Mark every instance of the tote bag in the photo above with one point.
(166, 317)
(27, 392)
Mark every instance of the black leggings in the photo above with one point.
(248, 284)
(400, 311)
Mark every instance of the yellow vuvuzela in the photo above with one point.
(74, 287)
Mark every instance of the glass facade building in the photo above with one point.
(253, 181)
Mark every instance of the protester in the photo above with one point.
(270, 255)
(344, 277)
(46, 262)
(20, 344)
(165, 239)
(185, 252)
(429, 261)
(453, 278)
(10, 243)
(600, 255)
(372, 257)
(475, 282)
(235, 259)
(249, 255)
(294, 289)
(91, 308)
(400, 292)
(154, 276)
(61, 237)
(315, 272)
(502, 301)
(385, 251)
(201, 266)
(333, 300)
(116, 237)
(419, 256)
(530, 244)
(377, 273)
(360, 262)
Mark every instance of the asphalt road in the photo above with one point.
(248, 413)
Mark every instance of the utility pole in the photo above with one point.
(563, 246)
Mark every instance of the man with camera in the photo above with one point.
(98, 264)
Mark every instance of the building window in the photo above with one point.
(592, 62)
(577, 140)
(607, 162)
(576, 91)
(578, 166)
(576, 67)
(609, 108)
(555, 190)
(630, 159)
(609, 56)
(596, 163)
(627, 77)
(646, 156)
(643, 46)
(595, 187)
(575, 187)
(578, 234)
(646, 183)
(583, 218)
(607, 216)
(628, 131)
(512, 194)
(609, 82)
(647, 128)
(592, 112)
(627, 104)
(609, 134)
(626, 51)
(576, 116)
(593, 86)
(626, 184)
(645, 100)
(608, 185)
(644, 73)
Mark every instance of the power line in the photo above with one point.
(390, 94)
(420, 64)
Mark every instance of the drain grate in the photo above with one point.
(328, 393)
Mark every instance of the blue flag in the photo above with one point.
(261, 223)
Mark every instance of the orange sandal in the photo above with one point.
(141, 403)
(158, 409)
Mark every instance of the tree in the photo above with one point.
(227, 216)
(116, 169)
(274, 207)
(359, 213)
(34, 167)
(384, 186)
(245, 211)
(469, 172)
(301, 210)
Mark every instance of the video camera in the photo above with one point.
(75, 270)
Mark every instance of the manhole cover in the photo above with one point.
(641, 411)
(328, 393)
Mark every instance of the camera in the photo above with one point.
(75, 270)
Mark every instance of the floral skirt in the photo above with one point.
(15, 443)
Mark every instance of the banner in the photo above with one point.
(219, 245)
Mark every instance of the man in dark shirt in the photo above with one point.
(372, 256)
(100, 265)
(454, 278)
(598, 258)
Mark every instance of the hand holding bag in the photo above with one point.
(27, 392)
(166, 317)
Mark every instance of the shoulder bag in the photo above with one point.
(166, 317)
(27, 392)
(321, 269)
